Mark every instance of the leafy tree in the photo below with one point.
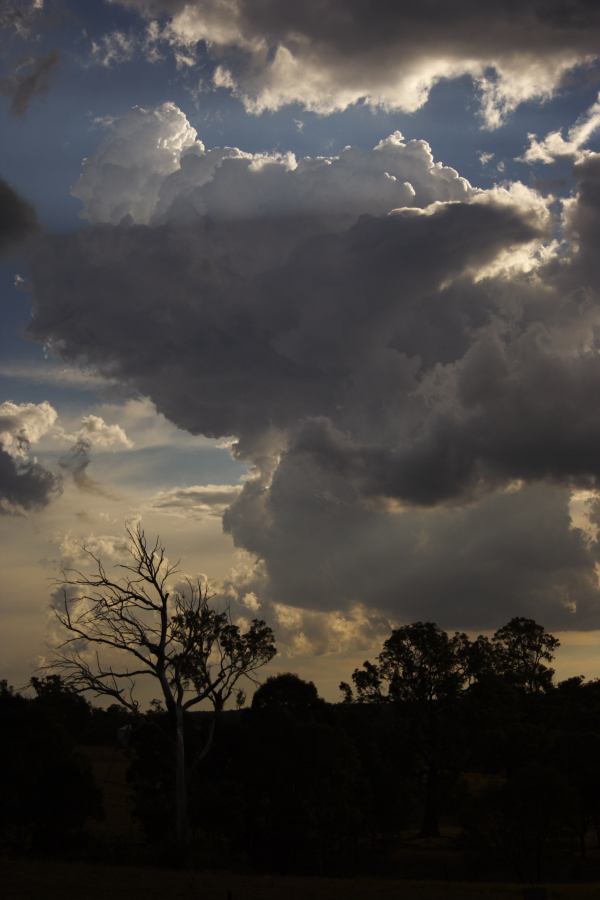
(422, 670)
(481, 657)
(287, 692)
(508, 675)
(523, 648)
(120, 630)
(419, 663)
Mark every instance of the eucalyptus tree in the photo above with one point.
(135, 623)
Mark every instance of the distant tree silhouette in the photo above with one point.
(522, 650)
(303, 790)
(122, 629)
(287, 692)
(436, 724)
(46, 786)
(422, 670)
(61, 705)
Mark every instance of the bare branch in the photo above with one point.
(195, 652)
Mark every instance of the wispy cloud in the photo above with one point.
(53, 374)
(196, 501)
(554, 146)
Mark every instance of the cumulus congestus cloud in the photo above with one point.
(329, 55)
(409, 364)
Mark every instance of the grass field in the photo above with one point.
(39, 880)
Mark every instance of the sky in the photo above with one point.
(312, 291)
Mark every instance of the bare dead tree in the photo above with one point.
(120, 630)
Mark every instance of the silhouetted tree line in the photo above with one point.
(47, 791)
(440, 734)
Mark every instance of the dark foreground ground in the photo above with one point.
(39, 880)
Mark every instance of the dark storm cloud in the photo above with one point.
(416, 392)
(233, 354)
(515, 413)
(330, 53)
(17, 217)
(24, 485)
(583, 220)
(30, 78)
(325, 547)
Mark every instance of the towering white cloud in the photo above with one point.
(152, 168)
(125, 175)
